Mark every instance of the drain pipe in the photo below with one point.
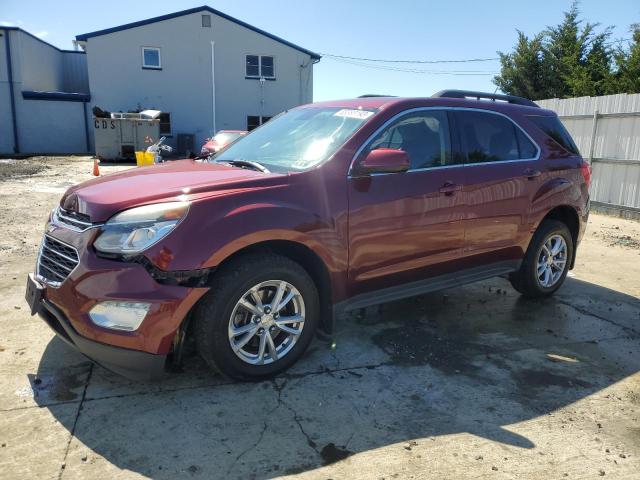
(86, 125)
(213, 88)
(7, 44)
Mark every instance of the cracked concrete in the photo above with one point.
(471, 382)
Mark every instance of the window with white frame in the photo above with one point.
(257, 66)
(151, 58)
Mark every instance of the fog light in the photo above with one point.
(119, 315)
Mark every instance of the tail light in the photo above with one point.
(585, 169)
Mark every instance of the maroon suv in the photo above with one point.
(326, 208)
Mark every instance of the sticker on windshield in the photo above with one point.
(357, 114)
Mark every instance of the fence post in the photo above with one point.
(594, 131)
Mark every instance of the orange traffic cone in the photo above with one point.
(96, 168)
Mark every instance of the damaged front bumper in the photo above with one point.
(132, 364)
(66, 305)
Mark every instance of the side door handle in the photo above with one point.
(449, 188)
(530, 173)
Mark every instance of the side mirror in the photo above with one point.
(384, 160)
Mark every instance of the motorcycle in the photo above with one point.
(157, 148)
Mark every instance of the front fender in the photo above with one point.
(215, 230)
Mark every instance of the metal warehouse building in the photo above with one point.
(204, 69)
(43, 96)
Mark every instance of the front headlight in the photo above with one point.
(135, 230)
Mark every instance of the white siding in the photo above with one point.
(184, 85)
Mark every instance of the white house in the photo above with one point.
(206, 70)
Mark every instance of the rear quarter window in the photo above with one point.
(488, 137)
(552, 126)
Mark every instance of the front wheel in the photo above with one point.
(258, 318)
(546, 263)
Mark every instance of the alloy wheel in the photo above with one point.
(552, 261)
(266, 322)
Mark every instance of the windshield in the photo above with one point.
(297, 140)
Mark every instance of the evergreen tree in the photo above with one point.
(569, 60)
(598, 63)
(627, 74)
(523, 70)
(579, 59)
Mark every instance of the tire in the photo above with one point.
(214, 322)
(526, 280)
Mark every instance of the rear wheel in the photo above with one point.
(546, 263)
(259, 317)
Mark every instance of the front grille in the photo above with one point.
(56, 260)
(73, 220)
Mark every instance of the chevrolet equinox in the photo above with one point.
(326, 208)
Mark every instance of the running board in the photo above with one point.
(428, 285)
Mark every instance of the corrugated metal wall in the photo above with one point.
(74, 71)
(607, 131)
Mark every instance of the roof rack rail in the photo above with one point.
(488, 96)
(374, 95)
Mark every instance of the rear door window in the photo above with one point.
(424, 135)
(487, 137)
(553, 127)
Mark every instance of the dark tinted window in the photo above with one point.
(553, 127)
(487, 137)
(165, 123)
(527, 149)
(423, 135)
(253, 66)
(253, 121)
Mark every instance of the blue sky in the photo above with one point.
(402, 29)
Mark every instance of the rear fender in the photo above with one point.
(556, 192)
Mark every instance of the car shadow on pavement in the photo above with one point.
(473, 360)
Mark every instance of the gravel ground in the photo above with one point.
(472, 382)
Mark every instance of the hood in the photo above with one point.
(103, 197)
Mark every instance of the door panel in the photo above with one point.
(407, 226)
(400, 224)
(499, 198)
(502, 175)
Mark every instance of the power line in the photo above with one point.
(414, 70)
(466, 60)
(331, 55)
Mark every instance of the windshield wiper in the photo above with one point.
(246, 164)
